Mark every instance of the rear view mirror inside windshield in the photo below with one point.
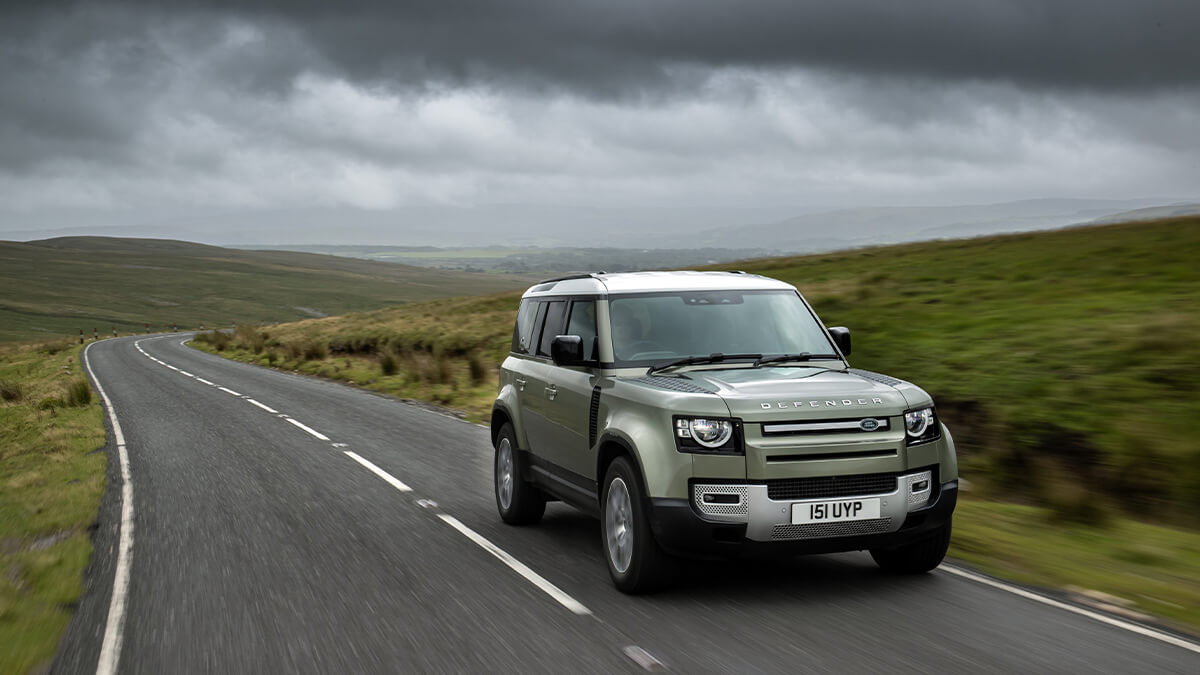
(712, 298)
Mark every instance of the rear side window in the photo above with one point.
(583, 324)
(553, 325)
(523, 330)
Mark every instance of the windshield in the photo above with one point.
(661, 327)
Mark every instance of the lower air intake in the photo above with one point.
(817, 530)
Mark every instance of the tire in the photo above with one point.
(518, 500)
(635, 561)
(917, 557)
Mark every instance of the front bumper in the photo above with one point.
(761, 525)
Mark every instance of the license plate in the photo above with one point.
(835, 511)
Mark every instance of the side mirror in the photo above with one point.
(567, 350)
(841, 338)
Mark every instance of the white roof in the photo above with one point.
(652, 282)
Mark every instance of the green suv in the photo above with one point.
(711, 414)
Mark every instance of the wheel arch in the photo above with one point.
(611, 446)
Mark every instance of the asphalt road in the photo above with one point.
(260, 547)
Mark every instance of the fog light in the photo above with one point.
(920, 486)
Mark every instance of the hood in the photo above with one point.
(804, 392)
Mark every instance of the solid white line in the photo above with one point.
(114, 627)
(518, 566)
(267, 408)
(229, 391)
(310, 430)
(201, 379)
(392, 480)
(1102, 618)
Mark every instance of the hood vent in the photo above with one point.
(672, 383)
(876, 377)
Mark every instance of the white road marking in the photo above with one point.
(392, 480)
(1097, 616)
(310, 430)
(229, 391)
(172, 367)
(201, 379)
(184, 372)
(518, 567)
(644, 658)
(264, 407)
(114, 627)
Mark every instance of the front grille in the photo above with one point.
(858, 425)
(821, 487)
(846, 529)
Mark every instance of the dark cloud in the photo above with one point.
(635, 47)
(375, 104)
(630, 48)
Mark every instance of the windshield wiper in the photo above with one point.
(695, 360)
(802, 356)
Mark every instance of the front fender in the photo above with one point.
(647, 435)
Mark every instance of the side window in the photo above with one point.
(523, 330)
(552, 326)
(583, 324)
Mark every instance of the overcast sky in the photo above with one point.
(114, 110)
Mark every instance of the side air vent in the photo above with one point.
(593, 416)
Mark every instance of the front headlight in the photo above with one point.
(921, 425)
(706, 434)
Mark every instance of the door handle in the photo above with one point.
(520, 383)
(551, 392)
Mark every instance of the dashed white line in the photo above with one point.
(201, 379)
(172, 367)
(264, 407)
(184, 372)
(114, 627)
(643, 658)
(517, 566)
(309, 429)
(391, 480)
(1102, 618)
(229, 391)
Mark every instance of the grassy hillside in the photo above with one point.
(51, 481)
(56, 287)
(1067, 363)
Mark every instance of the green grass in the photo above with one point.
(1066, 363)
(51, 482)
(1155, 568)
(57, 287)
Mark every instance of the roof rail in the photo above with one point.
(573, 275)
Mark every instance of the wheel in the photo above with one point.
(917, 557)
(518, 500)
(635, 561)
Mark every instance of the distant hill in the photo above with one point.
(1151, 213)
(873, 226)
(798, 227)
(56, 287)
